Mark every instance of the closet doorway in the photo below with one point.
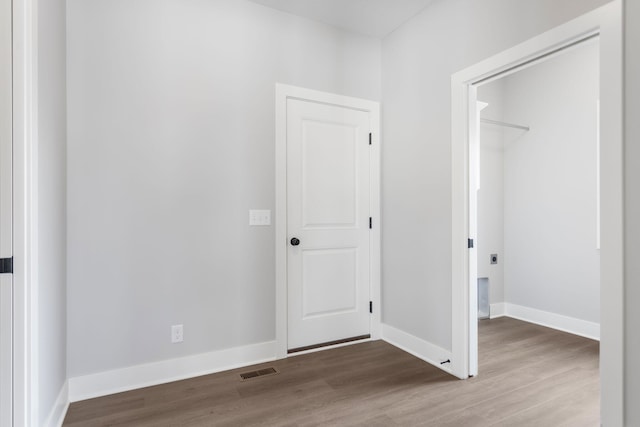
(537, 187)
(603, 24)
(537, 184)
(534, 193)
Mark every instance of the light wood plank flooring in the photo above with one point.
(529, 376)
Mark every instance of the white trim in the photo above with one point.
(280, 222)
(473, 182)
(612, 328)
(6, 214)
(560, 322)
(583, 328)
(59, 410)
(149, 374)
(497, 310)
(375, 203)
(284, 92)
(418, 347)
(25, 193)
(606, 21)
(6, 139)
(598, 175)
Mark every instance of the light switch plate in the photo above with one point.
(259, 217)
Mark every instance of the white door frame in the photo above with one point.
(6, 213)
(283, 93)
(605, 21)
(25, 196)
(474, 185)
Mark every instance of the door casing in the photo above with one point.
(6, 213)
(283, 93)
(25, 213)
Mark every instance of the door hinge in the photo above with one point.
(370, 306)
(370, 138)
(470, 243)
(6, 265)
(370, 223)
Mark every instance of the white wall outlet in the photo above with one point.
(177, 334)
(259, 217)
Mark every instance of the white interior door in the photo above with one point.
(328, 195)
(6, 246)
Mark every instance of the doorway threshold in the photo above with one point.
(328, 344)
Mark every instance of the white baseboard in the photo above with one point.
(497, 310)
(572, 325)
(59, 410)
(418, 347)
(134, 377)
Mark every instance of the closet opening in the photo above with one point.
(602, 25)
(534, 186)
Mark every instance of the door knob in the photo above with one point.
(295, 241)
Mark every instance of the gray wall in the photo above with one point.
(51, 205)
(171, 142)
(417, 63)
(551, 260)
(632, 212)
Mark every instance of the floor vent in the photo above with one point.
(259, 373)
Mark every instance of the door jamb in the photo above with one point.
(25, 195)
(6, 220)
(607, 22)
(283, 93)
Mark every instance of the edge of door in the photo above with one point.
(284, 92)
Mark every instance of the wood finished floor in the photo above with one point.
(529, 376)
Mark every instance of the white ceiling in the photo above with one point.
(376, 18)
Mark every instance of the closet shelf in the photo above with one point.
(505, 124)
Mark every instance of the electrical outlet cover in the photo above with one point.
(177, 333)
(259, 217)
